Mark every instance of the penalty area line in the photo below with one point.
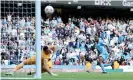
(4, 78)
(69, 79)
(78, 79)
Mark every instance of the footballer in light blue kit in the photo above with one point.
(103, 53)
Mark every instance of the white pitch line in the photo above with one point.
(76, 79)
(15, 78)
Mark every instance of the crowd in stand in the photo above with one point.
(17, 39)
(75, 39)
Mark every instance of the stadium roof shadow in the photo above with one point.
(69, 10)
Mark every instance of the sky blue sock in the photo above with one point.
(105, 65)
(102, 66)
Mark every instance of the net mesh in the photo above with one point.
(17, 36)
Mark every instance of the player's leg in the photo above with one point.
(101, 63)
(45, 68)
(49, 66)
(101, 60)
(29, 61)
(105, 57)
(19, 66)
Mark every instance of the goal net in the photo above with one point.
(17, 34)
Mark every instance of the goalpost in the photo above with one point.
(38, 38)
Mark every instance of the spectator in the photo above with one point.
(74, 38)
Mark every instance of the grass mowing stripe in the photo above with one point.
(79, 76)
(81, 79)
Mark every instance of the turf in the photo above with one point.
(80, 76)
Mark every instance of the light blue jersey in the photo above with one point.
(101, 47)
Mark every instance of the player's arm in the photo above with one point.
(53, 48)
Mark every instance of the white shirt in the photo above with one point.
(60, 56)
(9, 30)
(14, 32)
(110, 26)
(9, 17)
(108, 32)
(89, 30)
(63, 50)
(77, 51)
(66, 42)
(116, 50)
(112, 42)
(82, 36)
(94, 29)
(42, 42)
(22, 35)
(21, 42)
(115, 39)
(47, 21)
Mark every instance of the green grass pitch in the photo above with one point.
(79, 76)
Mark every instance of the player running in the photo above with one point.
(45, 58)
(102, 48)
(103, 55)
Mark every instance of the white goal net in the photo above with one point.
(17, 34)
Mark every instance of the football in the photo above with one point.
(49, 10)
